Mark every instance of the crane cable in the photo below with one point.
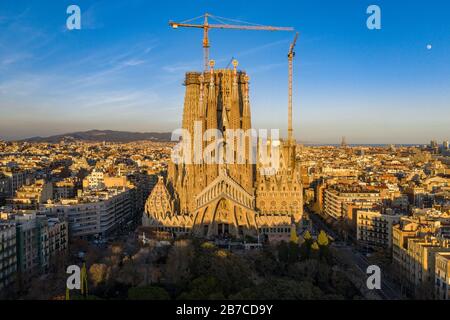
(234, 20)
(221, 20)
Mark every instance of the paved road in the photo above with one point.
(388, 291)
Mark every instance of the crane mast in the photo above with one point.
(205, 42)
(291, 55)
(206, 26)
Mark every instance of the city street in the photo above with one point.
(355, 258)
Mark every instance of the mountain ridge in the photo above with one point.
(96, 135)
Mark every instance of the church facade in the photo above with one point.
(216, 198)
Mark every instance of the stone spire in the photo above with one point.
(211, 110)
(211, 119)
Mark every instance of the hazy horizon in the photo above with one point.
(283, 135)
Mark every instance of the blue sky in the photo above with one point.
(124, 69)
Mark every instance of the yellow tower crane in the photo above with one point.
(206, 26)
(291, 55)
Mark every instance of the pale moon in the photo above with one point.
(429, 46)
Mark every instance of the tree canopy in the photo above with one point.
(322, 239)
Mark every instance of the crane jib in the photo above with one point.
(206, 27)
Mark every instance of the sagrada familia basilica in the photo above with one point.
(230, 198)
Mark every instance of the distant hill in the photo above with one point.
(104, 135)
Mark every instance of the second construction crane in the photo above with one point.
(206, 26)
(291, 55)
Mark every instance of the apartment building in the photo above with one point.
(8, 254)
(419, 197)
(29, 243)
(65, 189)
(374, 228)
(28, 197)
(417, 240)
(422, 253)
(94, 214)
(39, 239)
(442, 276)
(4, 187)
(95, 181)
(350, 210)
(339, 194)
(57, 237)
(11, 180)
